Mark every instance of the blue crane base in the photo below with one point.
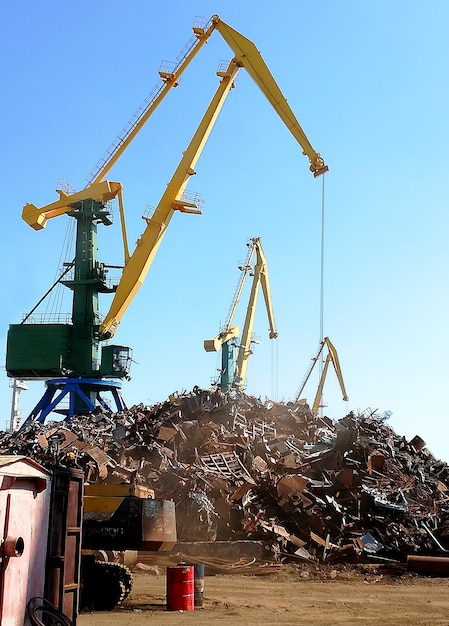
(80, 392)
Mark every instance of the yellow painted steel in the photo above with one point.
(214, 345)
(100, 192)
(139, 263)
(260, 279)
(170, 79)
(230, 332)
(99, 498)
(332, 357)
(251, 59)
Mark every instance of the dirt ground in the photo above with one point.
(292, 596)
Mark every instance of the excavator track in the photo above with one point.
(104, 585)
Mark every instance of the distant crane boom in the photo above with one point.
(332, 357)
(235, 375)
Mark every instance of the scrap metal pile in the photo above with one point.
(240, 468)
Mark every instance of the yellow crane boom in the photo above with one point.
(137, 267)
(170, 79)
(247, 56)
(332, 357)
(251, 59)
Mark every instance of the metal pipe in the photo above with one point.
(430, 565)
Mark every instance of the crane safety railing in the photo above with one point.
(188, 197)
(244, 267)
(313, 361)
(125, 133)
(47, 318)
(166, 67)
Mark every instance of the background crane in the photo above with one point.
(233, 371)
(332, 357)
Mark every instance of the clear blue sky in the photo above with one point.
(368, 83)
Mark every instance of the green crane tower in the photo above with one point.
(71, 351)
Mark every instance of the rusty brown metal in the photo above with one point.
(428, 565)
(239, 468)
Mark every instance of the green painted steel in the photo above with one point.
(38, 350)
(227, 365)
(89, 279)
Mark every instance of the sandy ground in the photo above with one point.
(292, 596)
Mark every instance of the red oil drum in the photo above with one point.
(180, 588)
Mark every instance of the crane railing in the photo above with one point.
(125, 133)
(306, 377)
(169, 72)
(243, 267)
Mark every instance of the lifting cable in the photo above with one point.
(322, 283)
(54, 304)
(68, 268)
(274, 369)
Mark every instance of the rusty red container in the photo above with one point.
(180, 588)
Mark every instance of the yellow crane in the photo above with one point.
(137, 264)
(234, 375)
(75, 353)
(332, 357)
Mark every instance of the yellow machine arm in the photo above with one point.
(103, 191)
(170, 78)
(332, 357)
(260, 280)
(259, 271)
(137, 267)
(248, 55)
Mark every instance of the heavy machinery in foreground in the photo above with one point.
(47, 515)
(233, 371)
(332, 357)
(120, 519)
(74, 357)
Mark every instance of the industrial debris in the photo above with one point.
(238, 468)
